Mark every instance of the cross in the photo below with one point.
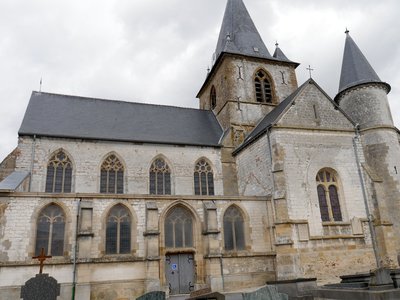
(310, 70)
(42, 257)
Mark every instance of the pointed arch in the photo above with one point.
(213, 97)
(118, 238)
(160, 177)
(179, 228)
(50, 230)
(328, 195)
(59, 173)
(234, 229)
(263, 87)
(112, 173)
(203, 177)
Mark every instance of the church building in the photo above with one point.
(269, 180)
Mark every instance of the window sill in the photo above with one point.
(336, 223)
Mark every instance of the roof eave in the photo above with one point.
(39, 135)
(356, 85)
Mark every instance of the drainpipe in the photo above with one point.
(76, 250)
(271, 231)
(369, 215)
(32, 161)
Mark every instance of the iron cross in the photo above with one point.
(42, 257)
(310, 70)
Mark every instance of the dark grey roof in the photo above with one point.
(271, 118)
(13, 181)
(278, 54)
(356, 69)
(238, 33)
(54, 115)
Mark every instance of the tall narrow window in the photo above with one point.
(328, 197)
(59, 174)
(160, 178)
(263, 87)
(112, 176)
(234, 229)
(203, 179)
(179, 228)
(50, 231)
(118, 232)
(213, 98)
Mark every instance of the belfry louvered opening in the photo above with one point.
(263, 87)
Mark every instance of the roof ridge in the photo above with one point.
(114, 100)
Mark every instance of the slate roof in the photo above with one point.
(13, 181)
(270, 119)
(278, 54)
(238, 33)
(356, 69)
(63, 116)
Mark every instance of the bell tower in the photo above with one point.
(244, 84)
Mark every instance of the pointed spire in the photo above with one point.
(238, 33)
(355, 67)
(278, 54)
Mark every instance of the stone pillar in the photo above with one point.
(152, 234)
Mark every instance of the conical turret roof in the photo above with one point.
(238, 33)
(356, 69)
(278, 54)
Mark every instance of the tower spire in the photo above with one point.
(356, 69)
(238, 33)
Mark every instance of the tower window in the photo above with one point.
(328, 196)
(213, 98)
(263, 87)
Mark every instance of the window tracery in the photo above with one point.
(234, 237)
(112, 176)
(203, 178)
(59, 174)
(179, 228)
(118, 230)
(50, 229)
(160, 178)
(328, 196)
(263, 87)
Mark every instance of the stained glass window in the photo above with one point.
(50, 231)
(179, 228)
(118, 232)
(160, 178)
(59, 174)
(328, 196)
(234, 229)
(203, 179)
(112, 176)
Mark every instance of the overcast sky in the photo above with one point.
(158, 51)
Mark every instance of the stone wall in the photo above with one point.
(87, 157)
(7, 166)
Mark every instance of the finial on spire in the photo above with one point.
(347, 31)
(276, 44)
(40, 85)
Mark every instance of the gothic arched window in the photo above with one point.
(328, 196)
(203, 179)
(118, 231)
(59, 174)
(213, 97)
(50, 231)
(160, 178)
(179, 228)
(234, 229)
(112, 176)
(263, 87)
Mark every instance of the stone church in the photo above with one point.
(268, 180)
